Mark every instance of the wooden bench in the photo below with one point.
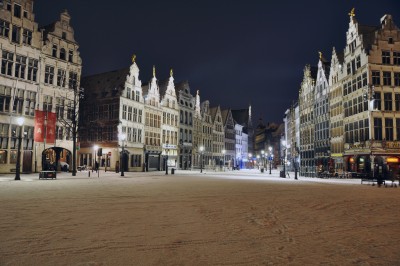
(47, 174)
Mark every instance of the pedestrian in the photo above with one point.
(96, 166)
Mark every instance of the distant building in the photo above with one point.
(230, 139)
(170, 122)
(307, 127)
(186, 103)
(239, 145)
(322, 143)
(243, 117)
(336, 111)
(152, 126)
(218, 134)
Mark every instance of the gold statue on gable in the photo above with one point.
(133, 58)
(352, 13)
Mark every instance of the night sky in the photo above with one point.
(234, 52)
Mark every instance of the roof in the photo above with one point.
(47, 29)
(340, 57)
(182, 86)
(103, 84)
(368, 35)
(326, 65)
(213, 112)
(224, 114)
(241, 116)
(162, 86)
(314, 72)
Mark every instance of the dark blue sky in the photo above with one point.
(234, 52)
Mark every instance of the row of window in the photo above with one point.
(186, 118)
(387, 132)
(102, 111)
(17, 101)
(391, 58)
(152, 138)
(217, 148)
(62, 53)
(388, 78)
(17, 11)
(153, 120)
(133, 134)
(170, 137)
(61, 77)
(63, 105)
(356, 131)
(185, 135)
(353, 65)
(133, 94)
(18, 34)
(170, 119)
(355, 84)
(19, 66)
(94, 133)
(133, 114)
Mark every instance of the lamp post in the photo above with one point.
(250, 159)
(284, 157)
(95, 147)
(166, 158)
(122, 137)
(201, 158)
(270, 158)
(20, 122)
(263, 160)
(223, 154)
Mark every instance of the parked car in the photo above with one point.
(64, 166)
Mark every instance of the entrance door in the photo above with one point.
(27, 162)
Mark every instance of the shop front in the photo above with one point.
(152, 159)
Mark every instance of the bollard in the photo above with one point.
(89, 173)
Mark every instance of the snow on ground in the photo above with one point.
(214, 218)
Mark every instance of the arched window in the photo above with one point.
(54, 50)
(62, 54)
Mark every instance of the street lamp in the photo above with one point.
(122, 137)
(284, 157)
(201, 158)
(166, 158)
(223, 152)
(251, 159)
(270, 158)
(95, 147)
(20, 122)
(263, 162)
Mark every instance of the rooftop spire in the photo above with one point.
(352, 13)
(154, 71)
(320, 55)
(171, 73)
(133, 58)
(197, 108)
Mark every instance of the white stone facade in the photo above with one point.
(40, 70)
